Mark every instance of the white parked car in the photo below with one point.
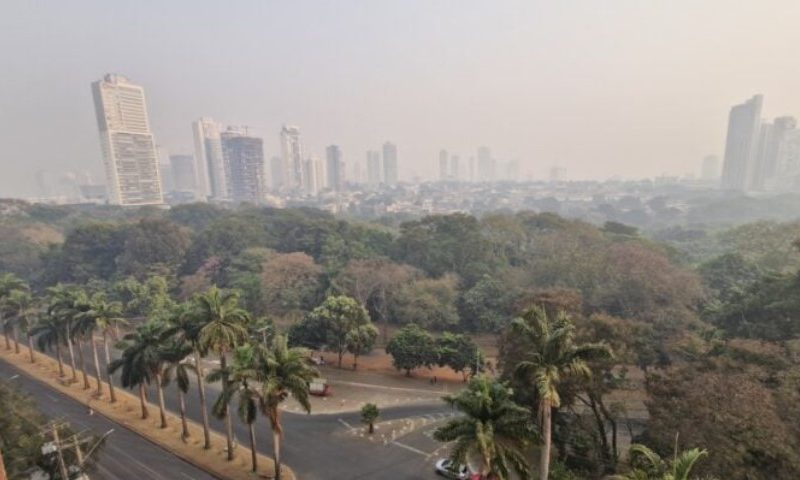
(447, 469)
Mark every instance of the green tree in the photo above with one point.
(223, 326)
(648, 465)
(105, 317)
(440, 244)
(369, 415)
(175, 365)
(22, 308)
(142, 363)
(492, 430)
(285, 371)
(551, 357)
(486, 307)
(459, 352)
(241, 375)
(186, 328)
(61, 299)
(49, 333)
(428, 302)
(339, 316)
(153, 246)
(411, 348)
(9, 282)
(361, 341)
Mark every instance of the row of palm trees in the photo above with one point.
(257, 372)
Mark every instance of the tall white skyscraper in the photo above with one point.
(374, 173)
(741, 145)
(212, 174)
(129, 151)
(390, 163)
(292, 153)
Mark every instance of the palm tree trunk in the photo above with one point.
(276, 453)
(82, 363)
(5, 334)
(203, 405)
(60, 360)
(110, 379)
(162, 409)
(253, 452)
(544, 460)
(223, 363)
(143, 401)
(15, 329)
(30, 347)
(71, 356)
(182, 407)
(97, 367)
(277, 431)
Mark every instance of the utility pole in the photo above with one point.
(61, 465)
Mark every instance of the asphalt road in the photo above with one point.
(317, 447)
(125, 454)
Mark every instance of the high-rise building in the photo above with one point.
(335, 168)
(374, 168)
(390, 163)
(312, 179)
(183, 174)
(710, 170)
(741, 145)
(787, 176)
(455, 174)
(770, 139)
(210, 166)
(292, 152)
(129, 151)
(443, 158)
(244, 157)
(485, 165)
(277, 173)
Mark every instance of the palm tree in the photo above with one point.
(551, 357)
(81, 330)
(21, 307)
(60, 307)
(175, 365)
(653, 467)
(187, 328)
(493, 429)
(283, 371)
(223, 326)
(9, 282)
(241, 377)
(49, 333)
(104, 316)
(142, 363)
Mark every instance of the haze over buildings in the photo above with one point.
(602, 89)
(126, 142)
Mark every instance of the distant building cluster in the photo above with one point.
(760, 155)
(227, 165)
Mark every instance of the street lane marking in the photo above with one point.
(187, 476)
(409, 448)
(346, 424)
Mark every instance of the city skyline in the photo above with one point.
(623, 79)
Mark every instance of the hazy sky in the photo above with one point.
(632, 88)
